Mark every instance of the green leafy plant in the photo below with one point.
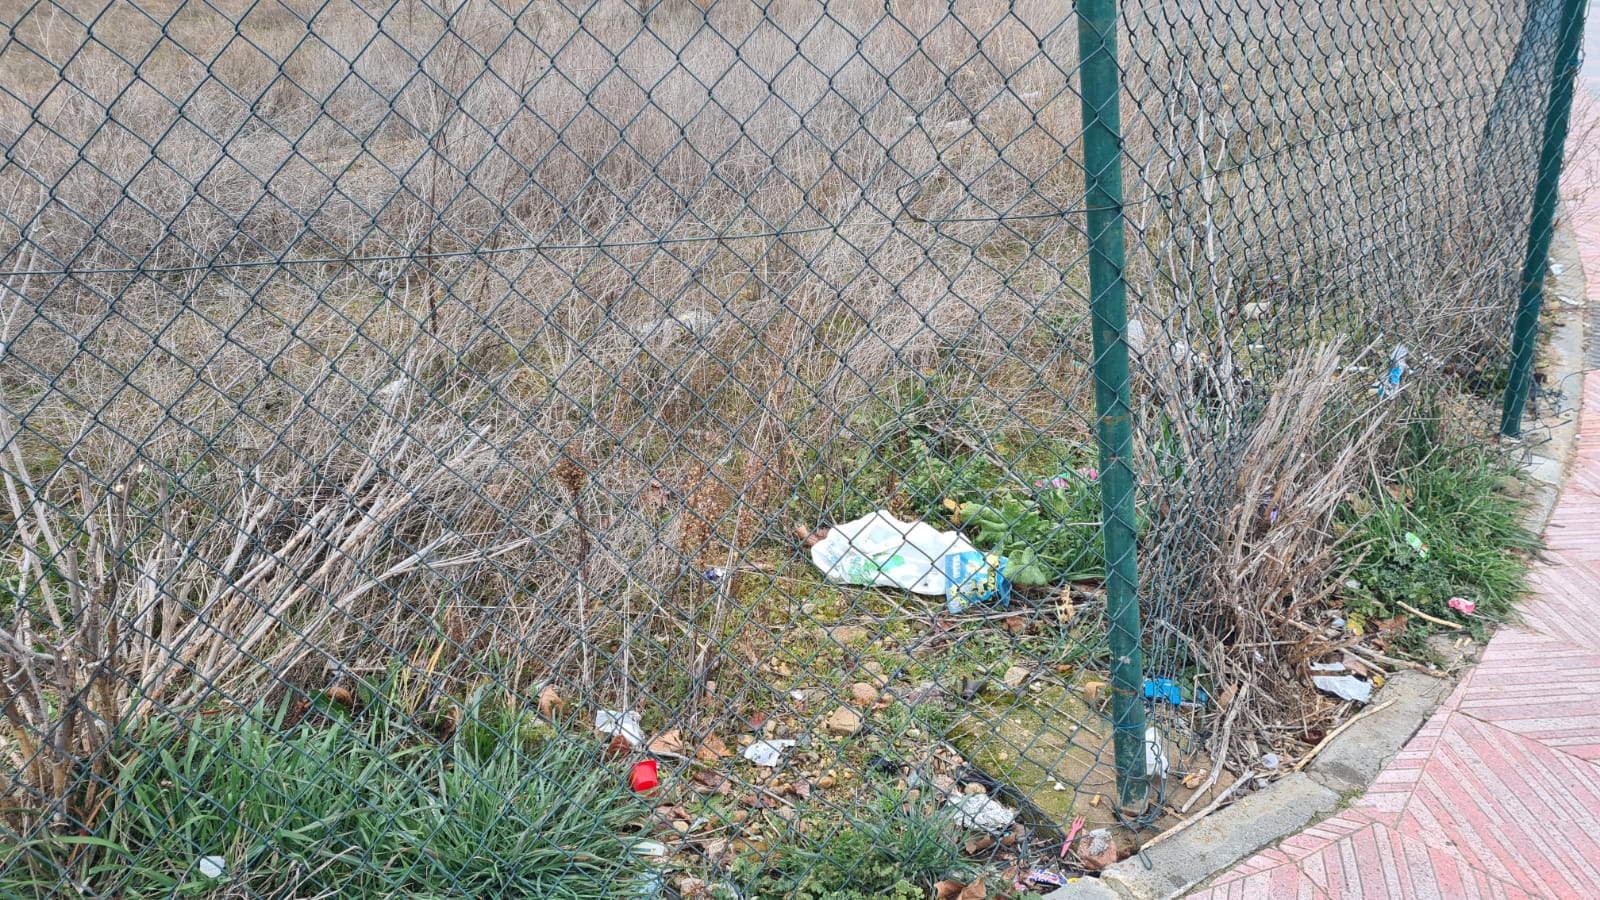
(1049, 536)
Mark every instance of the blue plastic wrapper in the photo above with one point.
(974, 578)
(1168, 690)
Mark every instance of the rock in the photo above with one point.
(875, 674)
(863, 694)
(1032, 742)
(974, 788)
(844, 721)
(1096, 850)
(980, 812)
(1017, 676)
(848, 634)
(1510, 485)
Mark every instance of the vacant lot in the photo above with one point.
(437, 349)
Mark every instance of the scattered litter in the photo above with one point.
(767, 753)
(652, 884)
(1327, 667)
(1569, 302)
(212, 866)
(1046, 878)
(1463, 605)
(1057, 786)
(973, 578)
(1415, 543)
(1170, 691)
(715, 575)
(1345, 687)
(1270, 761)
(981, 812)
(623, 724)
(1031, 95)
(1556, 269)
(387, 393)
(1072, 833)
(1338, 623)
(645, 778)
(1390, 384)
(1136, 337)
(879, 549)
(649, 848)
(1155, 753)
(1165, 688)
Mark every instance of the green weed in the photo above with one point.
(360, 806)
(1466, 537)
(911, 843)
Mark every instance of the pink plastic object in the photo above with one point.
(1462, 605)
(1072, 834)
(645, 779)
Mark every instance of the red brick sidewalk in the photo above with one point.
(1499, 794)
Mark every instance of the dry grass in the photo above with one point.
(719, 244)
(1310, 178)
(322, 468)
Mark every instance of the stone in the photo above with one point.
(847, 635)
(863, 694)
(1096, 850)
(844, 721)
(1032, 741)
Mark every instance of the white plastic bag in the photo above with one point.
(879, 549)
(767, 753)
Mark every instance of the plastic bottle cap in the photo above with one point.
(645, 778)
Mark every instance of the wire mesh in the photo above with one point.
(443, 442)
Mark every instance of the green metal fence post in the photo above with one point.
(1102, 160)
(1524, 338)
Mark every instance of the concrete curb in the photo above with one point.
(1350, 763)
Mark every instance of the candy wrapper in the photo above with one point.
(972, 578)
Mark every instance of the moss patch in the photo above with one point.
(1033, 742)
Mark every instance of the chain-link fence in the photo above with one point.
(602, 449)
